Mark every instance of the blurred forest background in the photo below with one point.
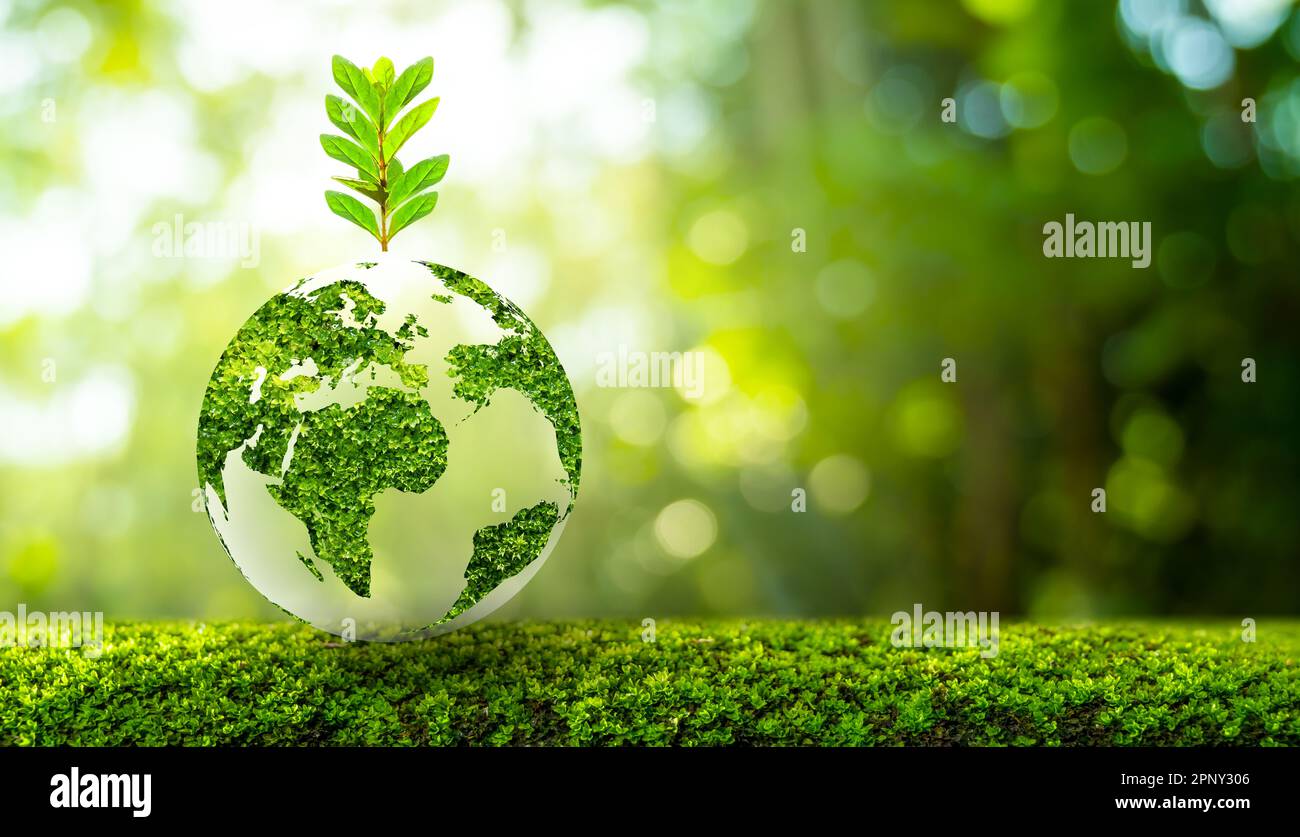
(639, 175)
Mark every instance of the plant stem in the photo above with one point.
(383, 187)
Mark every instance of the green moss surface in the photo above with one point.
(709, 683)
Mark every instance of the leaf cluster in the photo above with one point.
(376, 129)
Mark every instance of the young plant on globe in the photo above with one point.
(389, 449)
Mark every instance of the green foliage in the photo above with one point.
(311, 566)
(419, 177)
(358, 86)
(527, 364)
(406, 127)
(413, 211)
(700, 683)
(346, 206)
(286, 329)
(381, 94)
(349, 119)
(383, 73)
(354, 155)
(503, 551)
(411, 327)
(343, 458)
(408, 85)
(523, 361)
(504, 313)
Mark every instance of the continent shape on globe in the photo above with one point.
(390, 447)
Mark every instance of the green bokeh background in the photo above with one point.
(636, 175)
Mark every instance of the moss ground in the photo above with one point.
(758, 682)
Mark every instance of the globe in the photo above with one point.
(389, 450)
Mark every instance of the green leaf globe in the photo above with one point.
(389, 450)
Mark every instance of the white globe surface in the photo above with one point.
(502, 458)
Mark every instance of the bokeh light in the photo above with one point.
(766, 187)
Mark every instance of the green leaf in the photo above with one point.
(408, 125)
(411, 212)
(346, 206)
(421, 176)
(407, 86)
(395, 171)
(383, 73)
(349, 119)
(346, 151)
(354, 83)
(365, 187)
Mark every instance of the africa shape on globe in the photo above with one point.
(389, 450)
